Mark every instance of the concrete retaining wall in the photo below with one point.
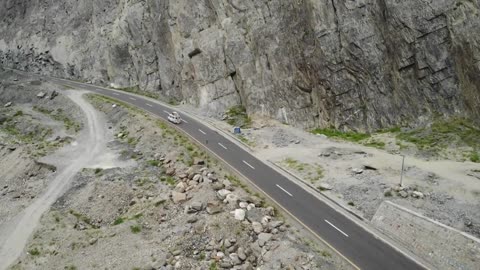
(442, 246)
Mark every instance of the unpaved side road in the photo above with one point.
(88, 149)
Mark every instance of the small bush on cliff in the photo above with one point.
(237, 116)
(475, 157)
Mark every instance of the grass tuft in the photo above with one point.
(237, 116)
(18, 113)
(118, 221)
(213, 266)
(348, 136)
(135, 229)
(326, 254)
(34, 252)
(58, 115)
(475, 157)
(154, 163)
(375, 144)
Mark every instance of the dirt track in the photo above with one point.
(89, 148)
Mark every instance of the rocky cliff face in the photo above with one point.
(359, 64)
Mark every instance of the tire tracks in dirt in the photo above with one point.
(88, 149)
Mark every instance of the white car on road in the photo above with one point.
(174, 117)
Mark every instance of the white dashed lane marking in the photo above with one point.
(203, 132)
(336, 228)
(284, 190)
(223, 146)
(149, 105)
(248, 164)
(132, 98)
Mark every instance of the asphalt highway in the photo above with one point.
(359, 246)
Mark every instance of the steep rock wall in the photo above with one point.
(359, 64)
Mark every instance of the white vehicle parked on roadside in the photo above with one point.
(174, 117)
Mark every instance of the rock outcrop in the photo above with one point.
(350, 64)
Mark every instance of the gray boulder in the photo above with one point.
(222, 194)
(263, 238)
(417, 194)
(178, 197)
(213, 208)
(403, 193)
(325, 186)
(257, 227)
(239, 214)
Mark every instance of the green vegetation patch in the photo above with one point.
(475, 157)
(34, 251)
(173, 102)
(311, 173)
(137, 216)
(153, 162)
(213, 266)
(245, 140)
(237, 183)
(454, 132)
(81, 217)
(237, 116)
(168, 179)
(132, 141)
(118, 221)
(67, 87)
(326, 254)
(347, 136)
(34, 135)
(58, 115)
(375, 143)
(135, 229)
(18, 113)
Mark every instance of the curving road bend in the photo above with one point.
(361, 248)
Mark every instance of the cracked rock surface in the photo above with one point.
(349, 64)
